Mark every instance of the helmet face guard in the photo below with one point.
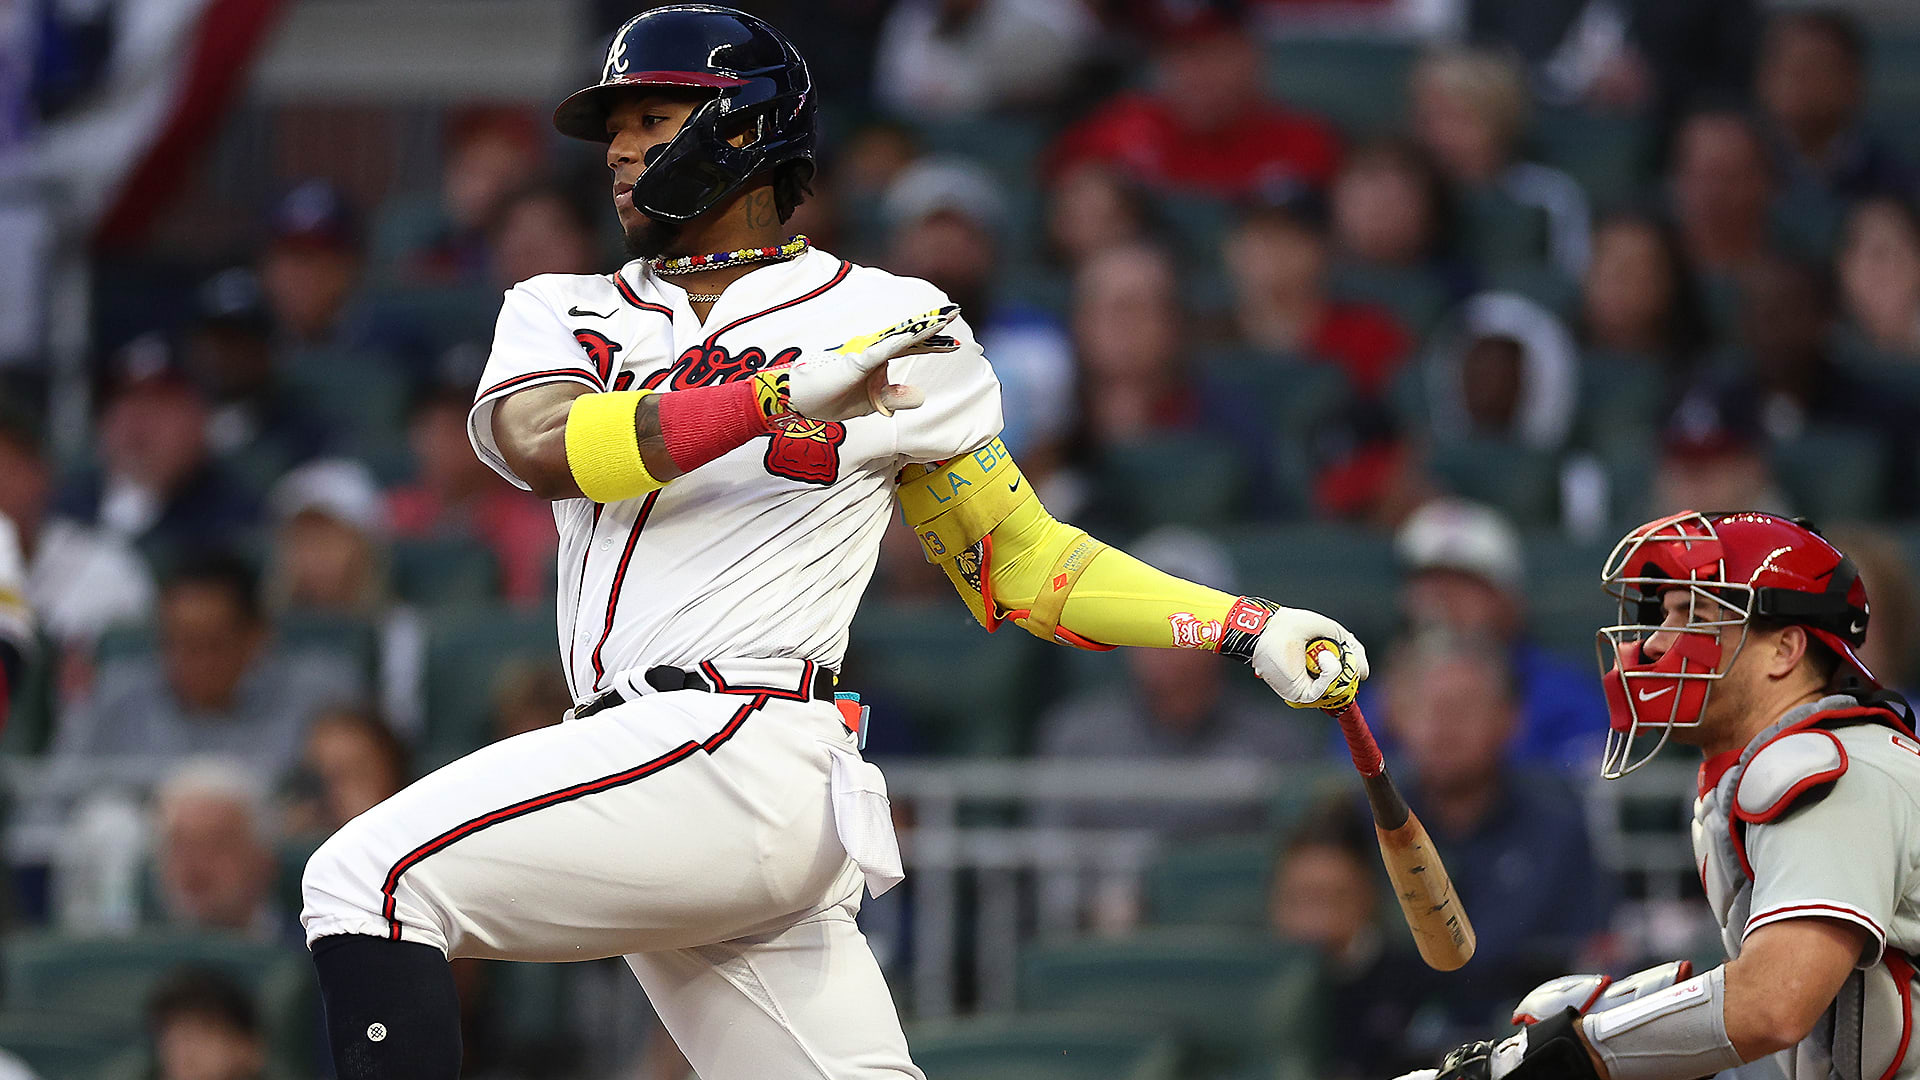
(1644, 696)
(1733, 568)
(759, 86)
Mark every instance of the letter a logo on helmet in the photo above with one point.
(760, 86)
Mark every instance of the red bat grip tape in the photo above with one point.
(1366, 753)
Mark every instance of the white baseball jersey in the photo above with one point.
(1817, 818)
(719, 839)
(765, 551)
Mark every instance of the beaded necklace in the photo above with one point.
(687, 264)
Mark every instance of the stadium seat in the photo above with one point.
(466, 646)
(1608, 153)
(364, 396)
(1359, 83)
(108, 979)
(1500, 230)
(1186, 479)
(1414, 296)
(1833, 473)
(1535, 279)
(1325, 567)
(59, 1045)
(962, 690)
(1522, 483)
(1042, 1047)
(1227, 994)
(441, 572)
(1565, 604)
(1217, 882)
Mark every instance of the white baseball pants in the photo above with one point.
(694, 833)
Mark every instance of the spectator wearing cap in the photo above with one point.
(454, 496)
(1278, 257)
(254, 423)
(213, 852)
(1207, 127)
(1464, 574)
(944, 220)
(1470, 110)
(1714, 454)
(330, 558)
(312, 262)
(201, 1025)
(960, 58)
(1811, 86)
(158, 485)
(218, 684)
(1172, 706)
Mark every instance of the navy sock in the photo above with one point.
(392, 1011)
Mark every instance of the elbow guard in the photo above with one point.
(956, 507)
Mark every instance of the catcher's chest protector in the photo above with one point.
(1868, 1032)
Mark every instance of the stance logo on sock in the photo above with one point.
(376, 1032)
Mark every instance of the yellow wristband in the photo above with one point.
(603, 448)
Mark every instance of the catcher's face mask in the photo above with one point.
(1659, 661)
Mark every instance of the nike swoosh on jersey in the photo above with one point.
(1650, 695)
(1015, 486)
(578, 311)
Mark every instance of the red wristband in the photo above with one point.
(700, 425)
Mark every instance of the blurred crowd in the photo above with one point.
(1461, 287)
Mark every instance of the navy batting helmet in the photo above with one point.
(760, 86)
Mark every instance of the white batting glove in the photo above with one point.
(850, 379)
(1309, 682)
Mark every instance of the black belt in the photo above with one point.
(665, 679)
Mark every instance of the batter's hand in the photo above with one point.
(1304, 681)
(850, 379)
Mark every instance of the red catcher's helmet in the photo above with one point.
(1735, 568)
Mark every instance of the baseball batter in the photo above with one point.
(724, 426)
(1737, 635)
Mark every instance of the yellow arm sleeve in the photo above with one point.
(1010, 559)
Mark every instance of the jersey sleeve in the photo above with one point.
(1841, 857)
(962, 410)
(531, 346)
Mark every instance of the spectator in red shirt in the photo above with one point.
(453, 494)
(1207, 127)
(1278, 257)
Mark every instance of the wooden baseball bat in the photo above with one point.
(1440, 926)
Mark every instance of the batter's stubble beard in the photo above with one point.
(652, 238)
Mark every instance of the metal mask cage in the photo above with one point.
(1713, 606)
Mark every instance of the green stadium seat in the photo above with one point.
(1199, 224)
(1173, 479)
(1216, 882)
(1359, 83)
(30, 722)
(466, 647)
(1609, 153)
(1535, 279)
(1043, 1047)
(1227, 994)
(1500, 230)
(66, 1046)
(1414, 296)
(443, 313)
(110, 978)
(963, 691)
(359, 394)
(1565, 604)
(1521, 482)
(1833, 473)
(442, 572)
(1323, 567)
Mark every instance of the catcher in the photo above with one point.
(1737, 635)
